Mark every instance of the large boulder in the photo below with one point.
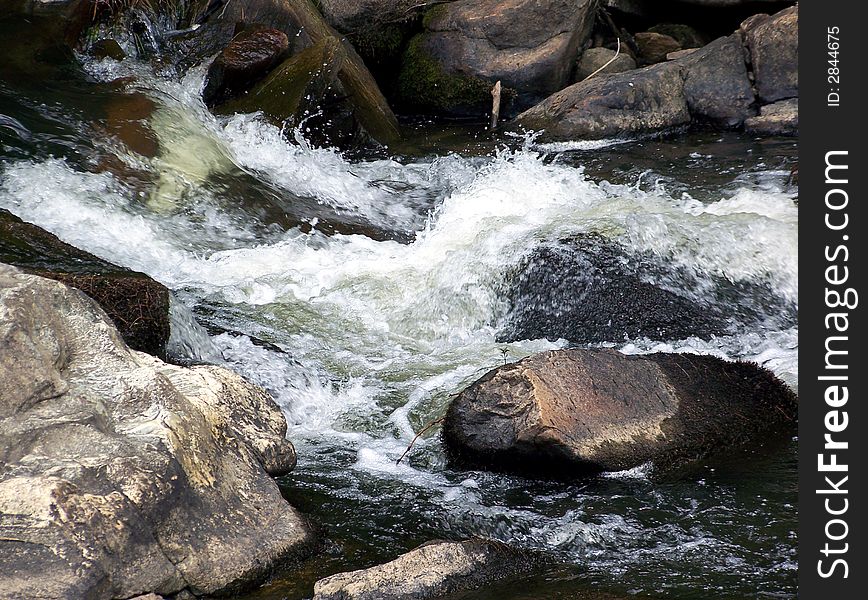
(716, 83)
(529, 45)
(122, 475)
(433, 570)
(644, 100)
(575, 412)
(773, 43)
(137, 305)
(591, 290)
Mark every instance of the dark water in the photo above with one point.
(363, 336)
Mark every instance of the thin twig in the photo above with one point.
(495, 105)
(609, 62)
(418, 435)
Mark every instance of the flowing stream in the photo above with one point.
(363, 292)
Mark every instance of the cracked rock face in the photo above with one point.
(574, 412)
(122, 475)
(433, 570)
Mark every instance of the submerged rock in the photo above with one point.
(589, 290)
(122, 475)
(575, 412)
(137, 305)
(433, 570)
(468, 45)
(246, 59)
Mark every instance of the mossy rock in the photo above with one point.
(424, 86)
(295, 86)
(136, 304)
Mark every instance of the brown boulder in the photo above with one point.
(248, 57)
(780, 118)
(653, 47)
(573, 412)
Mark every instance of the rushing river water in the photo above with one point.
(364, 292)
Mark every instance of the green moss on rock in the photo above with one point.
(425, 86)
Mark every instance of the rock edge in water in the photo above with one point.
(123, 475)
(433, 570)
(581, 411)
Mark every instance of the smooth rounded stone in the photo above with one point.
(685, 35)
(433, 570)
(137, 305)
(640, 101)
(591, 290)
(246, 59)
(773, 43)
(468, 45)
(716, 83)
(576, 412)
(123, 475)
(594, 58)
(780, 118)
(653, 47)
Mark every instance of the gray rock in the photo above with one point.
(433, 570)
(773, 43)
(653, 47)
(594, 58)
(716, 83)
(573, 412)
(528, 45)
(351, 15)
(638, 101)
(780, 118)
(122, 475)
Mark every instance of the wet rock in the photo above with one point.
(433, 570)
(107, 48)
(574, 412)
(773, 43)
(653, 47)
(359, 95)
(468, 45)
(122, 475)
(296, 87)
(780, 118)
(629, 8)
(590, 290)
(716, 83)
(248, 57)
(638, 101)
(594, 58)
(136, 304)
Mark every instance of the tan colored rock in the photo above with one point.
(773, 43)
(122, 475)
(431, 571)
(573, 412)
(780, 118)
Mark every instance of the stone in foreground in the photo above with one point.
(121, 475)
(433, 570)
(576, 412)
(780, 118)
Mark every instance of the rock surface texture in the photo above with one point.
(529, 45)
(433, 570)
(121, 475)
(573, 412)
(724, 83)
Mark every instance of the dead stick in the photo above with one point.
(495, 107)
(418, 435)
